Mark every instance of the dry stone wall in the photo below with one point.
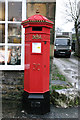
(12, 84)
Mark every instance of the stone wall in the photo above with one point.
(12, 84)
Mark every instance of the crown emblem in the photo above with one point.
(37, 36)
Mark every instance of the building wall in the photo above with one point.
(12, 84)
(47, 9)
(13, 81)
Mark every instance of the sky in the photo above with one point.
(60, 19)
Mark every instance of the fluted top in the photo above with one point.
(37, 18)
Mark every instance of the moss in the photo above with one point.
(76, 101)
(58, 87)
(56, 75)
(63, 98)
(13, 94)
(71, 103)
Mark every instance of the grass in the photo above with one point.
(56, 75)
(58, 87)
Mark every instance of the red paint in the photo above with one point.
(36, 74)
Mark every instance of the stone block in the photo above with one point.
(31, 9)
(12, 84)
(52, 7)
(65, 98)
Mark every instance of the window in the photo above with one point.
(14, 11)
(2, 33)
(12, 34)
(62, 41)
(14, 55)
(2, 55)
(2, 10)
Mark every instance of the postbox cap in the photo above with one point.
(37, 19)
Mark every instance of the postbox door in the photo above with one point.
(39, 72)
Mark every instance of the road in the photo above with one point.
(69, 67)
(14, 110)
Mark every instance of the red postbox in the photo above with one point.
(37, 55)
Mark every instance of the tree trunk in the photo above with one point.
(77, 42)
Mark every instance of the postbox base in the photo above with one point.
(36, 103)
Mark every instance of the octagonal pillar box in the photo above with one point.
(37, 55)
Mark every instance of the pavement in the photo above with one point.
(14, 110)
(58, 82)
(69, 67)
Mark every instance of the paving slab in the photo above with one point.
(59, 82)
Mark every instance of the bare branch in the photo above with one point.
(73, 16)
(70, 10)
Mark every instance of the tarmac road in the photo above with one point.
(14, 110)
(69, 67)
